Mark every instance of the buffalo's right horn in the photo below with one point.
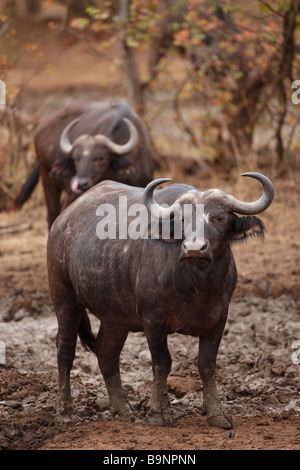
(157, 211)
(65, 143)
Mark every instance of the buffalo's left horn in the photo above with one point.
(65, 143)
(251, 208)
(121, 149)
(157, 211)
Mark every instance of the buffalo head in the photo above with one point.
(220, 225)
(91, 154)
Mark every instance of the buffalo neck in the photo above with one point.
(211, 276)
(187, 276)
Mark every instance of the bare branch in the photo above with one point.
(267, 5)
(182, 122)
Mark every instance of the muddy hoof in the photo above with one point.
(66, 418)
(220, 421)
(155, 421)
(163, 419)
(64, 409)
(125, 414)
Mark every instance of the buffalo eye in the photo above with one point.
(99, 158)
(219, 219)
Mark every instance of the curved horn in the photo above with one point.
(64, 142)
(157, 211)
(121, 149)
(251, 208)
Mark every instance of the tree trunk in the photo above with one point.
(246, 98)
(130, 66)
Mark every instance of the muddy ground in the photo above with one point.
(258, 361)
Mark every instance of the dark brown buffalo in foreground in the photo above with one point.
(83, 144)
(159, 286)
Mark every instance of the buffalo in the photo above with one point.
(158, 285)
(85, 143)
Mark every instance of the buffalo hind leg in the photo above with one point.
(108, 347)
(68, 323)
(159, 413)
(52, 191)
(208, 348)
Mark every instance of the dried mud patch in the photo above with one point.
(258, 382)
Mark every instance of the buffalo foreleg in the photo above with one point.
(208, 348)
(159, 407)
(109, 344)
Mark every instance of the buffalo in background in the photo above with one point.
(83, 144)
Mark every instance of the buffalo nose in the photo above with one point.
(79, 185)
(195, 245)
(84, 183)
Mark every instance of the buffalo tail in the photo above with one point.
(27, 188)
(86, 335)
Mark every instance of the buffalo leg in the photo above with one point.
(68, 323)
(109, 344)
(159, 407)
(52, 192)
(67, 200)
(208, 348)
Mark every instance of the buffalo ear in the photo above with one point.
(245, 227)
(63, 168)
